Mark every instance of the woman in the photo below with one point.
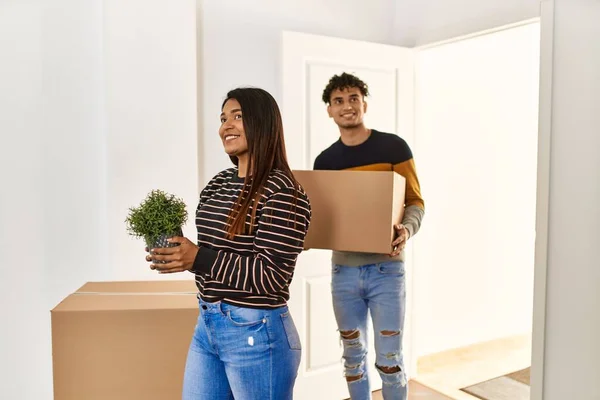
(251, 221)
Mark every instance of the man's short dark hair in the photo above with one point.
(341, 82)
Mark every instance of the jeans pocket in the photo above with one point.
(290, 331)
(242, 316)
(394, 268)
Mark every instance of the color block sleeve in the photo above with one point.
(414, 204)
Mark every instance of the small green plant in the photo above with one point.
(159, 216)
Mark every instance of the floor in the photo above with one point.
(449, 371)
(417, 391)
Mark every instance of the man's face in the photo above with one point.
(347, 107)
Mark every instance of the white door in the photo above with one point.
(308, 63)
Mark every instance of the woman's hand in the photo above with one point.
(178, 259)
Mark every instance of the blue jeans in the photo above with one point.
(242, 353)
(380, 290)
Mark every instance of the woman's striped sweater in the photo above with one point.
(255, 269)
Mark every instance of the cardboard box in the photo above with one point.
(353, 210)
(123, 340)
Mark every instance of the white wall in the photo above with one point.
(420, 22)
(151, 135)
(476, 144)
(572, 347)
(52, 209)
(98, 103)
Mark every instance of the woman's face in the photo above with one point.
(232, 129)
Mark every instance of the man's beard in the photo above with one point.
(350, 125)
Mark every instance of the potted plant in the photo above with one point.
(159, 217)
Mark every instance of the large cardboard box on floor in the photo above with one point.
(123, 340)
(353, 210)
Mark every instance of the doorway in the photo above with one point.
(469, 110)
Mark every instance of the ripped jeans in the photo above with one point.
(380, 290)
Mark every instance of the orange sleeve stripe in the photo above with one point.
(413, 189)
(372, 167)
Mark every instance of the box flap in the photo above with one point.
(126, 302)
(179, 286)
(131, 295)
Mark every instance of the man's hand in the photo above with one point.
(178, 259)
(400, 242)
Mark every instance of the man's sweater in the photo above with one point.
(380, 152)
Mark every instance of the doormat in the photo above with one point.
(514, 386)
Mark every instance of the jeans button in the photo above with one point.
(204, 307)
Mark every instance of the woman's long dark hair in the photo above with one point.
(266, 150)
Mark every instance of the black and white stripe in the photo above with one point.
(255, 269)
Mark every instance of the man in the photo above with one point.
(364, 282)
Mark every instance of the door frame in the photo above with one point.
(543, 199)
(546, 21)
(302, 50)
